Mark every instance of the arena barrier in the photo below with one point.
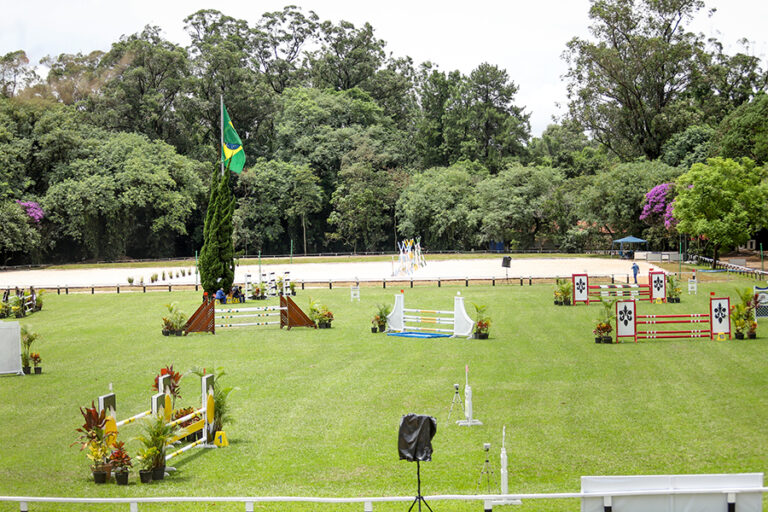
(716, 323)
(161, 403)
(655, 290)
(205, 318)
(461, 325)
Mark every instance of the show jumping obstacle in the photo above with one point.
(398, 320)
(716, 323)
(204, 319)
(654, 291)
(161, 404)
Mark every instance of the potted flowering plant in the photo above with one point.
(173, 388)
(752, 330)
(147, 460)
(36, 359)
(673, 289)
(27, 338)
(320, 314)
(93, 438)
(603, 328)
(375, 323)
(482, 322)
(120, 462)
(380, 318)
(155, 436)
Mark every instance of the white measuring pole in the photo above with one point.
(469, 421)
(503, 456)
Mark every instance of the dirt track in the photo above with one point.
(363, 271)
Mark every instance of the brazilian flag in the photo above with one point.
(232, 147)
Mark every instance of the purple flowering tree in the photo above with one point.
(33, 209)
(657, 213)
(659, 205)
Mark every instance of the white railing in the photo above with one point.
(488, 499)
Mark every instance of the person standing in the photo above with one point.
(635, 270)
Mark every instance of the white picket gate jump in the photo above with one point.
(236, 313)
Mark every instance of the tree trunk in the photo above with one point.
(715, 254)
(304, 230)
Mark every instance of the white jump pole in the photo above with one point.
(503, 457)
(469, 421)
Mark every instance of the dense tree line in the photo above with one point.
(350, 148)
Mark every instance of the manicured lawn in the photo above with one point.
(317, 411)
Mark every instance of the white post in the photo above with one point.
(395, 321)
(462, 324)
(469, 421)
(503, 456)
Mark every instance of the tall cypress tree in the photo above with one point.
(217, 265)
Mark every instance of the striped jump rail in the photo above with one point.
(403, 320)
(206, 316)
(655, 290)
(702, 325)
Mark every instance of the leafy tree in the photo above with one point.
(74, 77)
(278, 39)
(612, 201)
(624, 87)
(348, 56)
(724, 201)
(559, 146)
(131, 196)
(217, 264)
(220, 64)
(305, 198)
(439, 204)
(694, 145)
(745, 132)
(144, 77)
(15, 73)
(19, 238)
(435, 89)
(515, 204)
(482, 122)
(265, 204)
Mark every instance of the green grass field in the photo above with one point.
(317, 411)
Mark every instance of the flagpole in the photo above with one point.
(221, 129)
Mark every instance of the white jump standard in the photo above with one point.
(401, 320)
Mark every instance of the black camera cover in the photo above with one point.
(415, 437)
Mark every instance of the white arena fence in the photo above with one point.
(731, 497)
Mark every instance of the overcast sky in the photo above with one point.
(524, 37)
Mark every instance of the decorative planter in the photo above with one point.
(158, 473)
(374, 330)
(38, 370)
(293, 293)
(166, 332)
(739, 335)
(121, 478)
(598, 339)
(481, 336)
(27, 370)
(607, 339)
(567, 302)
(178, 333)
(382, 328)
(145, 475)
(751, 335)
(100, 477)
(323, 325)
(558, 303)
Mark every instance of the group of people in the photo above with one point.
(235, 295)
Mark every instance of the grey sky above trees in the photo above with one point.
(526, 39)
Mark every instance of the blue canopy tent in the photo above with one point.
(628, 240)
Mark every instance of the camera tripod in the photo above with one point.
(456, 398)
(419, 498)
(486, 470)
